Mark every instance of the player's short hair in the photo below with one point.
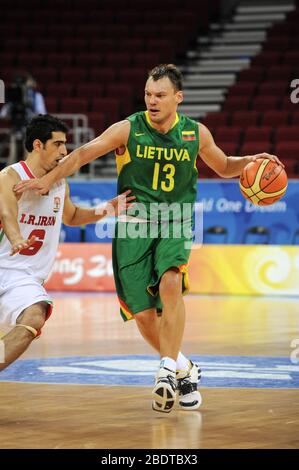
(41, 127)
(168, 70)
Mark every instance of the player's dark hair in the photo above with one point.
(170, 71)
(41, 127)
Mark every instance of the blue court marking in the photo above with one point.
(217, 371)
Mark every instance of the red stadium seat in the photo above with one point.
(8, 59)
(61, 31)
(108, 106)
(52, 104)
(33, 30)
(258, 134)
(146, 59)
(101, 17)
(58, 60)
(73, 75)
(10, 45)
(291, 57)
(252, 148)
(89, 59)
(282, 29)
(46, 45)
(245, 118)
(117, 59)
(74, 46)
(295, 118)
(29, 60)
(287, 150)
(254, 74)
(9, 31)
(101, 75)
(59, 90)
(146, 31)
(288, 105)
(291, 165)
(156, 17)
(266, 59)
(112, 30)
(129, 17)
(265, 103)
(276, 44)
(275, 118)
(278, 87)
(236, 103)
(228, 134)
(124, 94)
(216, 119)
(74, 105)
(133, 45)
(246, 89)
(45, 75)
(289, 133)
(164, 46)
(103, 45)
(89, 90)
(97, 121)
(229, 148)
(135, 76)
(279, 72)
(204, 171)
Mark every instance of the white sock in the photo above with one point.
(168, 363)
(182, 363)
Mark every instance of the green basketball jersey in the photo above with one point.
(160, 168)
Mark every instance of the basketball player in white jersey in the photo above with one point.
(29, 234)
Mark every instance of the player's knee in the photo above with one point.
(34, 316)
(170, 284)
(143, 318)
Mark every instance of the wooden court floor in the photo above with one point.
(39, 415)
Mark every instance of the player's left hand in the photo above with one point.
(37, 185)
(119, 204)
(21, 244)
(122, 202)
(273, 158)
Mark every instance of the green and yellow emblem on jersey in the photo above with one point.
(188, 135)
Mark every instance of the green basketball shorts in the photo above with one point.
(139, 261)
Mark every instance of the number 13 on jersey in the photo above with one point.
(166, 179)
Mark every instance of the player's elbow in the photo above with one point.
(223, 172)
(227, 168)
(79, 159)
(69, 222)
(4, 213)
(86, 154)
(70, 217)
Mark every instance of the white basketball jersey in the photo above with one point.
(38, 216)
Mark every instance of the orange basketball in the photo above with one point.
(263, 182)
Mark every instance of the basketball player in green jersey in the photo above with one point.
(156, 153)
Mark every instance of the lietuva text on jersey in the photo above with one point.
(160, 153)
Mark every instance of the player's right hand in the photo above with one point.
(38, 185)
(20, 244)
(273, 158)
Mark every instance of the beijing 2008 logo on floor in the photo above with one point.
(217, 371)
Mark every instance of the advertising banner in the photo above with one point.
(228, 218)
(221, 269)
(82, 267)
